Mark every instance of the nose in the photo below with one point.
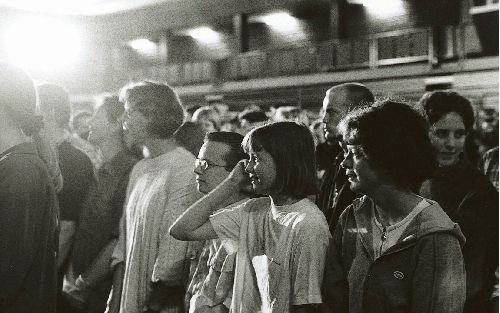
(450, 141)
(347, 161)
(326, 118)
(249, 167)
(197, 168)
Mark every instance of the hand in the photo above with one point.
(239, 177)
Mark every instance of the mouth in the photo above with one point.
(254, 178)
(448, 154)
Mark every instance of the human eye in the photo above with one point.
(459, 134)
(441, 133)
(358, 152)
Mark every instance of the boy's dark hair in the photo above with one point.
(436, 104)
(234, 141)
(159, 103)
(254, 116)
(395, 139)
(291, 146)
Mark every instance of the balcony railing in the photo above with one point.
(397, 47)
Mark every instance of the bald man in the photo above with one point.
(335, 194)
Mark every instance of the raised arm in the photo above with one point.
(194, 223)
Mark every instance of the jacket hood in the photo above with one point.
(431, 219)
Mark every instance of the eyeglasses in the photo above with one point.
(204, 164)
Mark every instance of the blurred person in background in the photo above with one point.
(231, 124)
(80, 128)
(316, 128)
(291, 113)
(28, 208)
(89, 278)
(392, 250)
(489, 166)
(76, 168)
(484, 137)
(80, 124)
(208, 117)
(335, 194)
(464, 193)
(250, 119)
(211, 287)
(151, 268)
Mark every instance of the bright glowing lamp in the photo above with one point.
(42, 43)
(205, 35)
(281, 21)
(384, 8)
(144, 46)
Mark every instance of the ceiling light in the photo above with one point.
(281, 21)
(384, 8)
(204, 35)
(42, 43)
(144, 46)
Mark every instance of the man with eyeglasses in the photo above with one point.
(211, 286)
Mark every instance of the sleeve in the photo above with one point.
(226, 224)
(307, 264)
(21, 194)
(78, 173)
(439, 278)
(481, 249)
(174, 256)
(118, 255)
(118, 206)
(335, 287)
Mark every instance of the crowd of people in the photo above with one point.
(145, 205)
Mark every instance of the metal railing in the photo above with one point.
(383, 49)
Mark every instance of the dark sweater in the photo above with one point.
(28, 233)
(470, 200)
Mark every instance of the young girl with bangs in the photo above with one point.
(281, 237)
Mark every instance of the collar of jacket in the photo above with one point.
(431, 220)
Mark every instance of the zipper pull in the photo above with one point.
(384, 233)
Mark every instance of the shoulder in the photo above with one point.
(308, 220)
(23, 171)
(71, 156)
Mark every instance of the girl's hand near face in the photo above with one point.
(238, 176)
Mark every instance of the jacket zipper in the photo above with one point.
(383, 238)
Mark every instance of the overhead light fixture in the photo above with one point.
(205, 35)
(381, 8)
(144, 46)
(281, 21)
(45, 44)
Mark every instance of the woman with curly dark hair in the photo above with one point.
(392, 250)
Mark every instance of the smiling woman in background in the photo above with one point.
(464, 193)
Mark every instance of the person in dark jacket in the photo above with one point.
(335, 194)
(28, 205)
(393, 250)
(465, 194)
